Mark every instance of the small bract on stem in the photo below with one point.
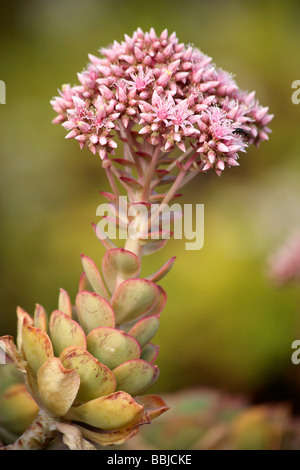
(177, 115)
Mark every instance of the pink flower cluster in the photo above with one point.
(285, 264)
(172, 94)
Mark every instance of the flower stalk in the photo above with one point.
(177, 114)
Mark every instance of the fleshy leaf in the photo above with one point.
(83, 282)
(9, 375)
(37, 346)
(109, 196)
(8, 346)
(144, 330)
(40, 317)
(119, 261)
(93, 311)
(160, 304)
(153, 404)
(135, 377)
(134, 298)
(106, 438)
(94, 277)
(102, 236)
(150, 352)
(65, 332)
(64, 303)
(95, 378)
(163, 271)
(17, 408)
(57, 386)
(21, 315)
(112, 347)
(155, 245)
(114, 411)
(131, 182)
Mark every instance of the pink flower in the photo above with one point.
(171, 94)
(140, 80)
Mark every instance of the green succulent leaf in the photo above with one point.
(65, 332)
(153, 404)
(151, 246)
(17, 409)
(40, 317)
(21, 315)
(96, 379)
(119, 261)
(163, 271)
(144, 330)
(150, 352)
(134, 298)
(112, 347)
(136, 376)
(84, 283)
(8, 346)
(36, 345)
(160, 304)
(94, 277)
(64, 303)
(57, 386)
(112, 412)
(93, 311)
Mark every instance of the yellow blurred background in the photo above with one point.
(225, 324)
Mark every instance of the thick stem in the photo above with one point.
(134, 246)
(39, 433)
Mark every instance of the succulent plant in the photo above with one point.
(86, 366)
(87, 369)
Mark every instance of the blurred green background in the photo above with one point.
(225, 324)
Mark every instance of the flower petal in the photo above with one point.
(112, 347)
(95, 378)
(93, 311)
(57, 386)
